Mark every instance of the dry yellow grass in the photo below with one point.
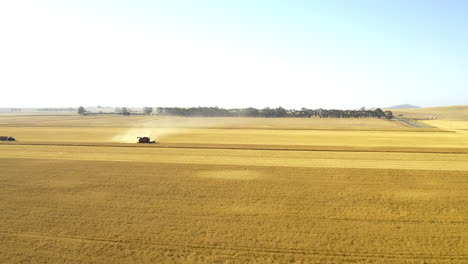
(458, 126)
(74, 195)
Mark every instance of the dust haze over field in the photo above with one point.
(162, 128)
(130, 135)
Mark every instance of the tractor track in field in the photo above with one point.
(411, 124)
(248, 147)
(234, 249)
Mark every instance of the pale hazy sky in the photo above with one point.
(240, 53)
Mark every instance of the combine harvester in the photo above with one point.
(4, 138)
(146, 140)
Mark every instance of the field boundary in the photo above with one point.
(417, 124)
(251, 147)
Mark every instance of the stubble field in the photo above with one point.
(219, 190)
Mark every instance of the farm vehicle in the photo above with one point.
(146, 140)
(7, 138)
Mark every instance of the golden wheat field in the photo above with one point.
(77, 189)
(457, 112)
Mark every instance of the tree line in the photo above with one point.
(273, 112)
(118, 110)
(254, 112)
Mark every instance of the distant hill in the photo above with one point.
(456, 112)
(402, 106)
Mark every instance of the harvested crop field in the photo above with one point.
(244, 191)
(193, 122)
